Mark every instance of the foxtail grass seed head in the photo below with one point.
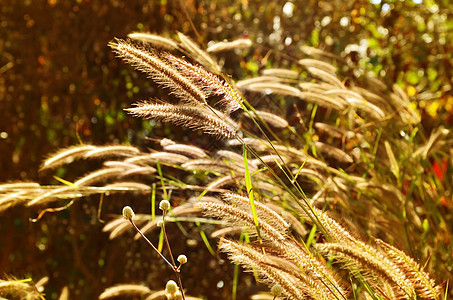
(128, 213)
(164, 205)
(182, 259)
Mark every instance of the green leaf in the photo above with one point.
(248, 184)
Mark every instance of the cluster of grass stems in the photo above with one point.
(353, 147)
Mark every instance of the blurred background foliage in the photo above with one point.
(61, 85)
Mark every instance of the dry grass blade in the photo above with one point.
(318, 52)
(154, 40)
(230, 230)
(229, 156)
(323, 100)
(295, 223)
(182, 210)
(119, 226)
(66, 156)
(13, 199)
(271, 119)
(209, 165)
(244, 84)
(162, 157)
(231, 45)
(338, 132)
(64, 295)
(99, 175)
(223, 182)
(270, 188)
(236, 161)
(274, 88)
(376, 99)
(402, 106)
(198, 54)
(314, 175)
(326, 77)
(333, 152)
(257, 144)
(356, 100)
(283, 73)
(125, 290)
(138, 171)
(64, 192)
(17, 186)
(111, 151)
(394, 168)
(316, 87)
(268, 159)
(434, 141)
(197, 118)
(188, 150)
(308, 62)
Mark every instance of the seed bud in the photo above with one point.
(182, 259)
(164, 205)
(171, 287)
(128, 213)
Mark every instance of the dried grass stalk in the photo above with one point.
(231, 45)
(324, 101)
(283, 73)
(162, 157)
(314, 63)
(223, 181)
(66, 156)
(154, 40)
(274, 88)
(333, 152)
(188, 150)
(99, 175)
(128, 186)
(271, 119)
(209, 165)
(197, 118)
(244, 84)
(125, 290)
(326, 77)
(198, 54)
(111, 151)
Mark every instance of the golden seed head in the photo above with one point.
(171, 287)
(182, 259)
(128, 213)
(164, 205)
